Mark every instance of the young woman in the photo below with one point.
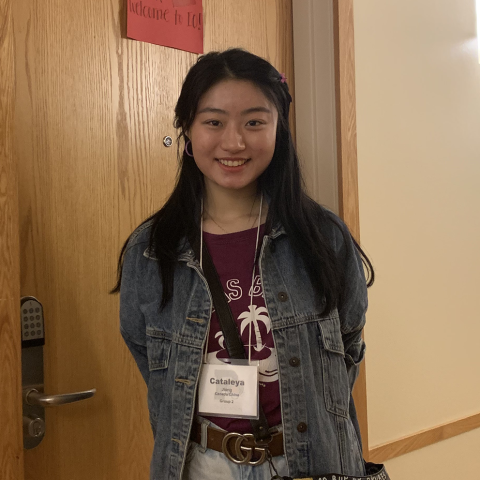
(292, 276)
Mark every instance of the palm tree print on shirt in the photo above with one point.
(256, 319)
(251, 318)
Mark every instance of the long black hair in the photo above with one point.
(281, 182)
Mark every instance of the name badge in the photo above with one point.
(228, 390)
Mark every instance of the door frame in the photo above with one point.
(325, 110)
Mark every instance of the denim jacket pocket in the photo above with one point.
(335, 380)
(158, 349)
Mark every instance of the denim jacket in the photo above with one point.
(318, 355)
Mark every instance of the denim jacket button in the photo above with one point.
(294, 361)
(282, 296)
(302, 427)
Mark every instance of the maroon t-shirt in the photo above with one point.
(232, 255)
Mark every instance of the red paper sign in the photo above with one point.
(171, 23)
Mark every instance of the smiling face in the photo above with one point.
(233, 135)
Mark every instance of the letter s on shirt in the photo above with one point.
(234, 290)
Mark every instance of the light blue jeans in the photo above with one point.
(206, 464)
(213, 465)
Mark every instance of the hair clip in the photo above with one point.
(283, 78)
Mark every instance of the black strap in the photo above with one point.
(229, 328)
(233, 340)
(374, 472)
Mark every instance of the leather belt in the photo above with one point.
(240, 448)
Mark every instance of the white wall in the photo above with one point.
(418, 120)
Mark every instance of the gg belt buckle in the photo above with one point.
(241, 454)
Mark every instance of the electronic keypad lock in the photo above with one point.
(34, 399)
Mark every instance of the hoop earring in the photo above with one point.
(186, 149)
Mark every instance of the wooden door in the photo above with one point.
(92, 108)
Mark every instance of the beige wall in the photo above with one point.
(418, 120)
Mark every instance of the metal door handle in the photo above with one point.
(32, 396)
